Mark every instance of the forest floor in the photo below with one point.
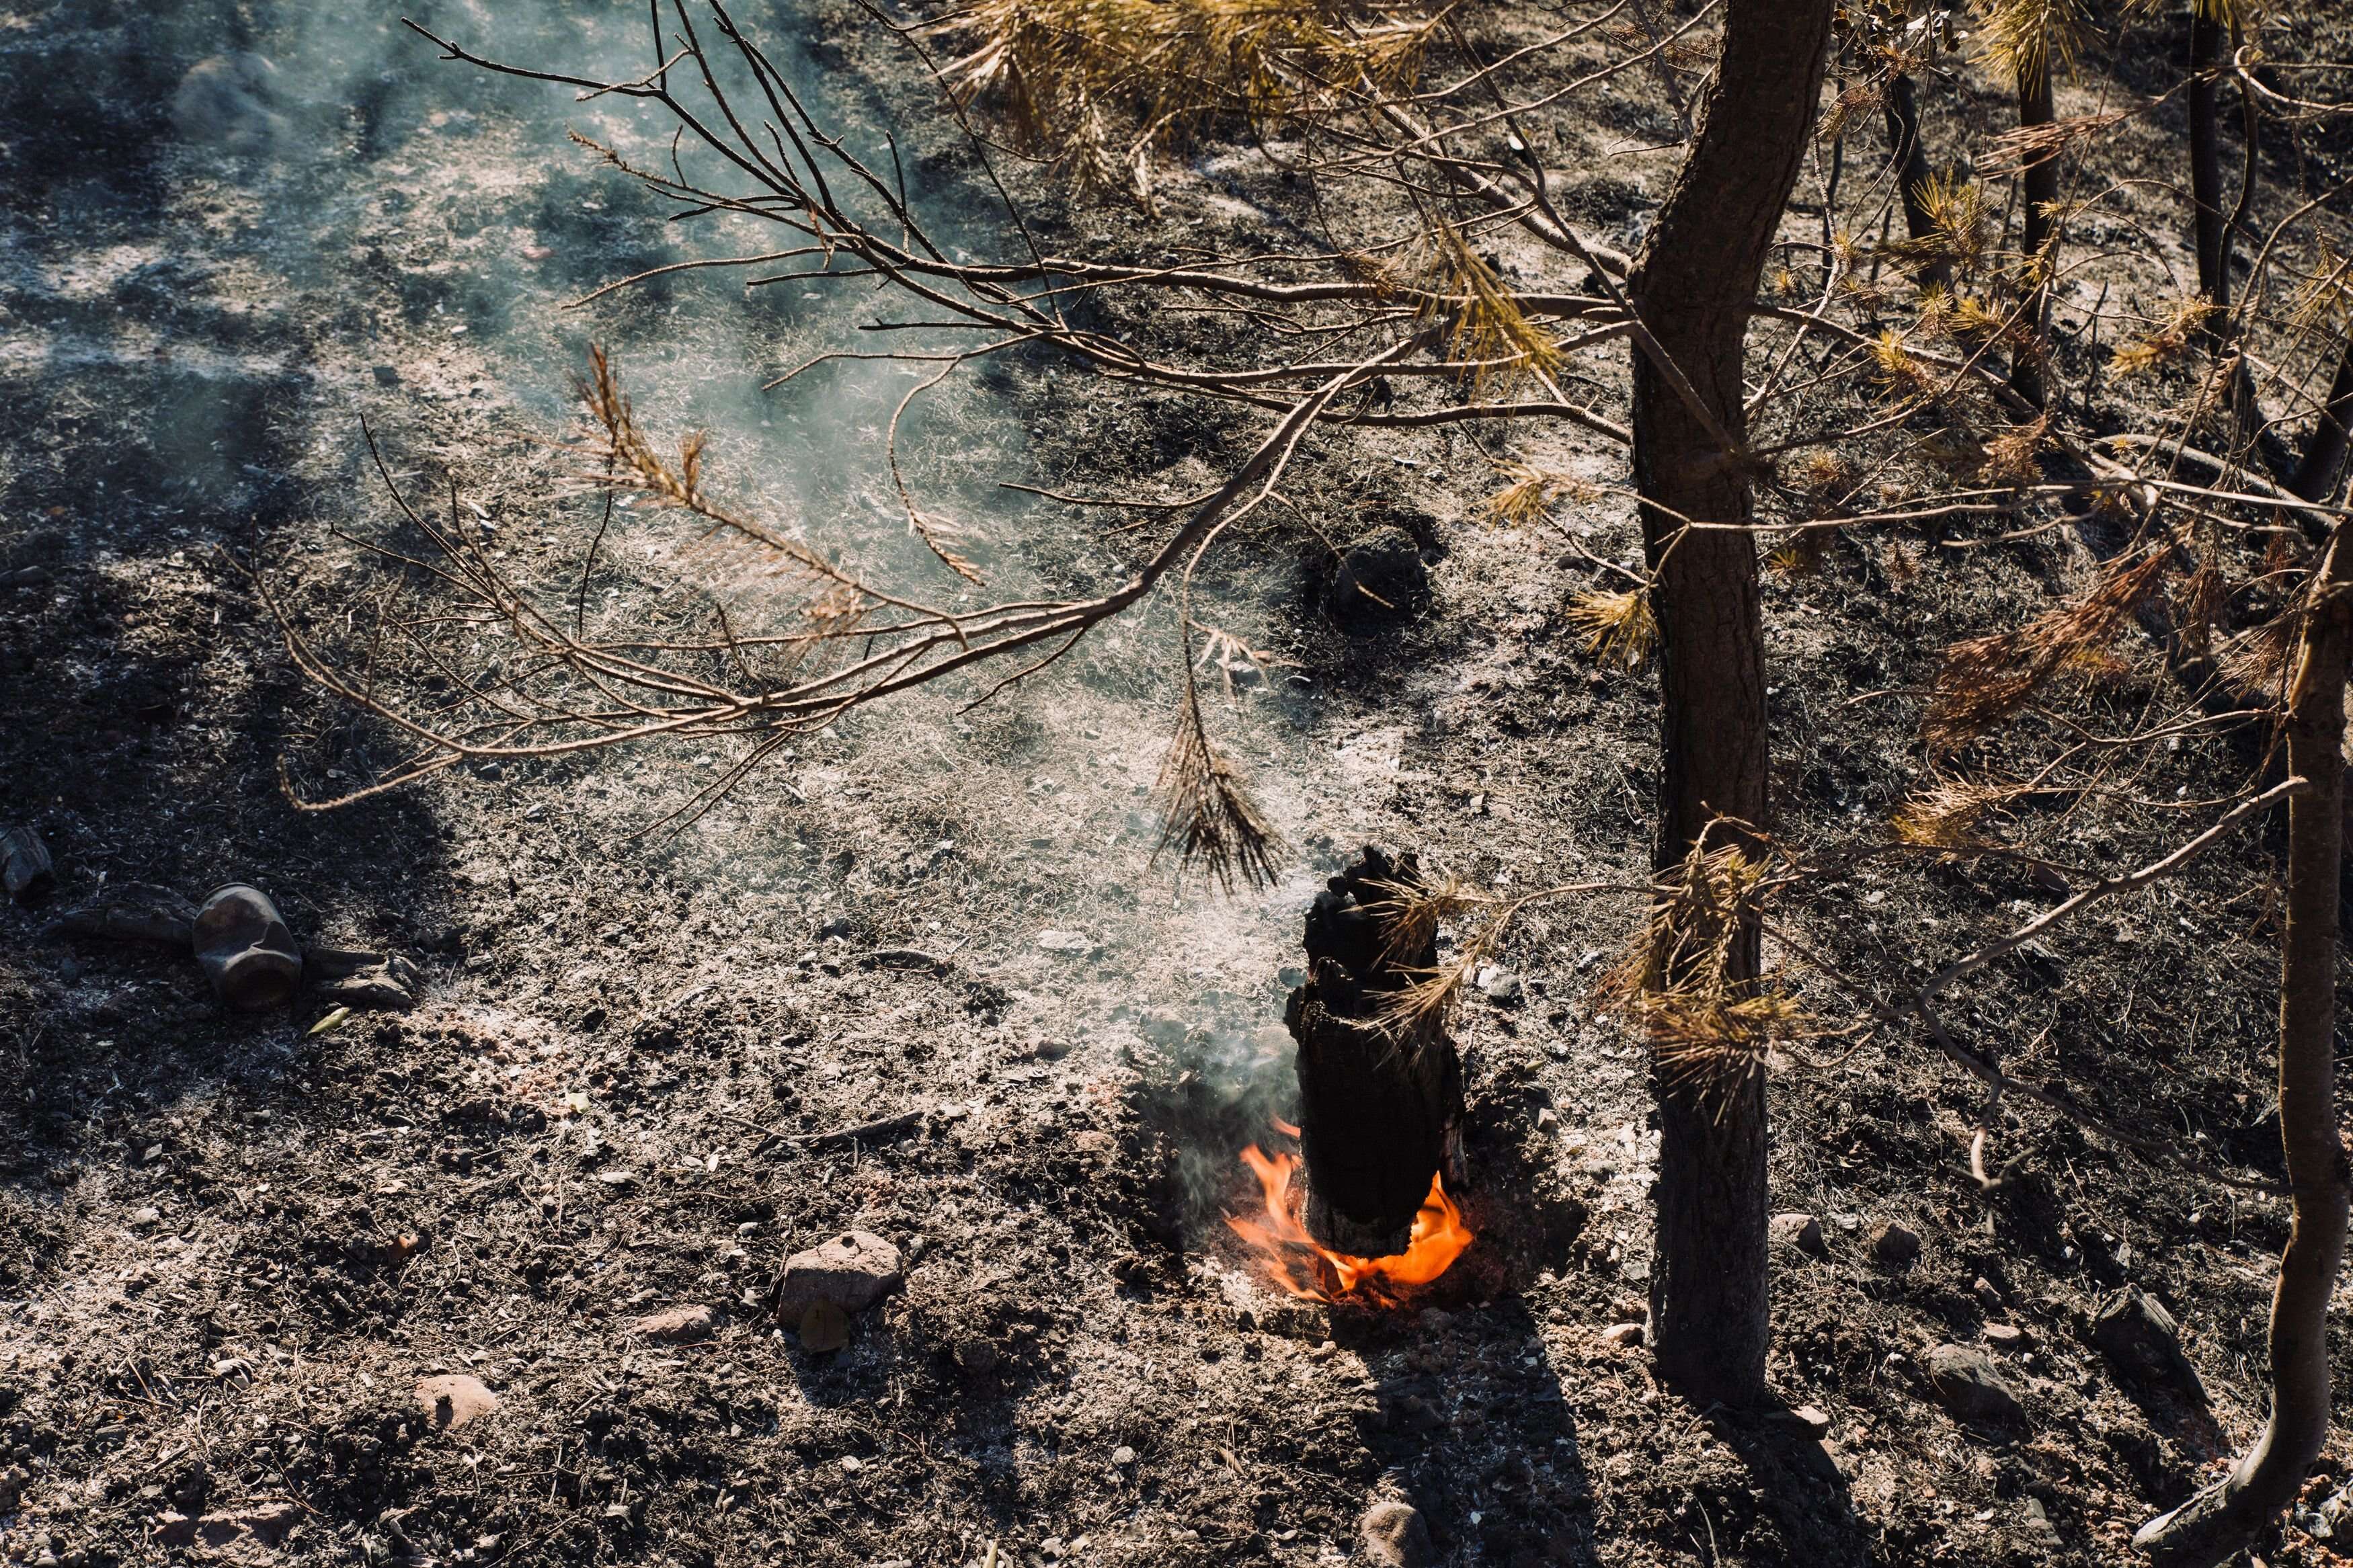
(233, 1249)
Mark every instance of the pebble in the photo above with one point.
(851, 1272)
(1500, 985)
(678, 1326)
(1123, 1455)
(1076, 944)
(1623, 1336)
(2005, 1335)
(1392, 1534)
(1894, 1245)
(1802, 1231)
(1815, 1420)
(1966, 1383)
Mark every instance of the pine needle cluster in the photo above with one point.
(1099, 85)
(1988, 680)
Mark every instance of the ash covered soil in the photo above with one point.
(234, 1251)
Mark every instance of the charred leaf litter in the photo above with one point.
(531, 1270)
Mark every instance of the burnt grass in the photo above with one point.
(229, 1247)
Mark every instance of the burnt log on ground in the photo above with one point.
(1380, 1105)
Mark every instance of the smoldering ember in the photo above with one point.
(1045, 783)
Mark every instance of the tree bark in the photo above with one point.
(1695, 288)
(1378, 1106)
(1911, 176)
(2210, 224)
(2042, 179)
(2224, 1518)
(2324, 452)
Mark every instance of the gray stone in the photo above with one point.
(2143, 1343)
(851, 1272)
(1965, 1382)
(1802, 1231)
(1393, 1536)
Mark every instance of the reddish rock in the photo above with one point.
(454, 1400)
(852, 1271)
(678, 1326)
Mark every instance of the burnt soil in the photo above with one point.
(232, 1247)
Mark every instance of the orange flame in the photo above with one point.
(1312, 1271)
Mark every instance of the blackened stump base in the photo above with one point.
(1379, 1109)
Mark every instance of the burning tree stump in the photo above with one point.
(1380, 1104)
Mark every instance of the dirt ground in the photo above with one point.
(233, 1248)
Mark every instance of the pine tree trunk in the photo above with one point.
(1912, 176)
(2324, 453)
(2225, 1519)
(1695, 288)
(2041, 181)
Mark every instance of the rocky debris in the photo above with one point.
(2005, 1336)
(1966, 1383)
(351, 977)
(1815, 1420)
(134, 911)
(1123, 1455)
(1801, 1231)
(1071, 943)
(677, 1326)
(452, 1400)
(24, 865)
(850, 1272)
(1894, 1245)
(247, 952)
(2143, 1343)
(1392, 1534)
(1622, 1336)
(1380, 581)
(1500, 986)
(268, 1523)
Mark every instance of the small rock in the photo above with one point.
(1547, 1118)
(1816, 1421)
(851, 1272)
(1966, 1383)
(1076, 944)
(454, 1399)
(24, 865)
(1500, 985)
(2006, 1336)
(1894, 1245)
(1802, 1231)
(678, 1326)
(1392, 1536)
(1123, 1455)
(2141, 1341)
(1622, 1336)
